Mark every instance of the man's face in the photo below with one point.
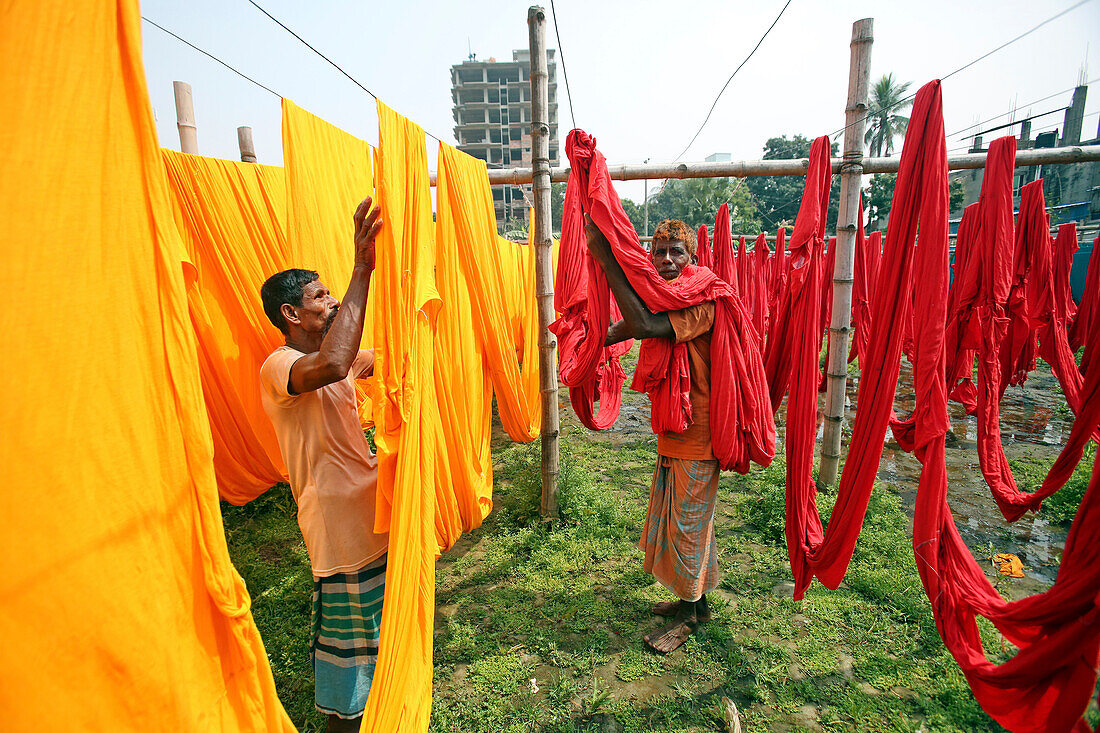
(670, 258)
(318, 309)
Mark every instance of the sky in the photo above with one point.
(642, 74)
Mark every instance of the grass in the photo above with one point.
(1061, 507)
(539, 626)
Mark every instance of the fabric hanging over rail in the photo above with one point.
(589, 369)
(328, 172)
(702, 247)
(960, 359)
(758, 304)
(121, 608)
(827, 310)
(726, 266)
(920, 195)
(232, 217)
(1064, 248)
(742, 426)
(744, 269)
(1088, 310)
(407, 426)
(866, 270)
(778, 273)
(1047, 685)
(797, 313)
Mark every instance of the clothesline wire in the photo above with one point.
(965, 66)
(212, 56)
(564, 73)
(1036, 130)
(724, 86)
(1026, 104)
(326, 58)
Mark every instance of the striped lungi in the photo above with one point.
(678, 539)
(346, 618)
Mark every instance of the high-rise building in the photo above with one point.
(492, 112)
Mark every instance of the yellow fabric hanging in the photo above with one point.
(407, 427)
(120, 607)
(328, 172)
(232, 217)
(500, 277)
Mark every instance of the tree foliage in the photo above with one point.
(885, 120)
(777, 197)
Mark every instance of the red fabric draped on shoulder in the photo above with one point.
(742, 424)
(1047, 685)
(590, 370)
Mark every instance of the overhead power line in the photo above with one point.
(724, 86)
(1026, 104)
(967, 65)
(334, 65)
(561, 55)
(212, 56)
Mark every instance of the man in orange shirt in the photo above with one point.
(678, 538)
(308, 391)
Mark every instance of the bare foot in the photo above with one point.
(672, 608)
(671, 637)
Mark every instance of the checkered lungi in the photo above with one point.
(678, 539)
(346, 618)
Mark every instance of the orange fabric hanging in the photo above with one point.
(232, 217)
(328, 172)
(121, 608)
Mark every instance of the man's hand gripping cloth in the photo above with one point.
(742, 426)
(1047, 685)
(583, 299)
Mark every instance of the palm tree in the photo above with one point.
(887, 100)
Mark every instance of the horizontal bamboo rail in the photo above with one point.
(797, 167)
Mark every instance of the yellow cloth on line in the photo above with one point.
(328, 172)
(407, 427)
(232, 217)
(119, 607)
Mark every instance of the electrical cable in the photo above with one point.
(724, 86)
(564, 73)
(326, 58)
(211, 56)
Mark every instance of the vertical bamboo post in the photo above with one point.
(851, 176)
(244, 141)
(185, 117)
(544, 258)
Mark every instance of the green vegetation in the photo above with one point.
(1062, 506)
(566, 605)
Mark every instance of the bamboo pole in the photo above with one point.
(185, 117)
(851, 176)
(797, 167)
(244, 141)
(544, 262)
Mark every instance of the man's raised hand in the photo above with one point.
(368, 222)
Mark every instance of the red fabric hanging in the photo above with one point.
(759, 290)
(827, 310)
(1047, 685)
(725, 265)
(744, 278)
(702, 248)
(960, 361)
(1089, 309)
(742, 424)
(590, 370)
(1064, 248)
(778, 273)
(862, 289)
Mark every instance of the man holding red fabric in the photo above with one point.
(678, 538)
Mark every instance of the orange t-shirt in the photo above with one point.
(333, 472)
(694, 327)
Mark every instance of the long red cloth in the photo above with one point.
(743, 269)
(725, 264)
(590, 370)
(960, 361)
(758, 304)
(702, 248)
(1064, 248)
(1047, 685)
(742, 423)
(862, 291)
(778, 272)
(1088, 310)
